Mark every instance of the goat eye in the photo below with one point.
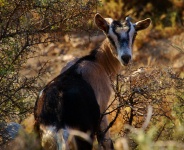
(119, 26)
(116, 26)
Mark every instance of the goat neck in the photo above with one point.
(106, 58)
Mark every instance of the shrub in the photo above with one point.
(24, 25)
(160, 90)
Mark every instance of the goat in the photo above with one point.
(76, 97)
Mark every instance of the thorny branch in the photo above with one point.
(150, 87)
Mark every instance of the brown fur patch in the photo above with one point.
(98, 73)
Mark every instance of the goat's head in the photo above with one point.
(121, 35)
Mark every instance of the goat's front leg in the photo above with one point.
(104, 139)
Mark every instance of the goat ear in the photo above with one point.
(101, 23)
(143, 24)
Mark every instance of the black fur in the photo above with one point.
(68, 100)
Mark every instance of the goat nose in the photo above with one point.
(126, 59)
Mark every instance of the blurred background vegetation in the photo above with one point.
(26, 25)
(167, 15)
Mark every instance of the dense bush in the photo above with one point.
(24, 25)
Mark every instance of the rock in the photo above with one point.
(68, 57)
(9, 131)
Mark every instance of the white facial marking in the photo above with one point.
(109, 20)
(131, 35)
(114, 37)
(122, 38)
(127, 49)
